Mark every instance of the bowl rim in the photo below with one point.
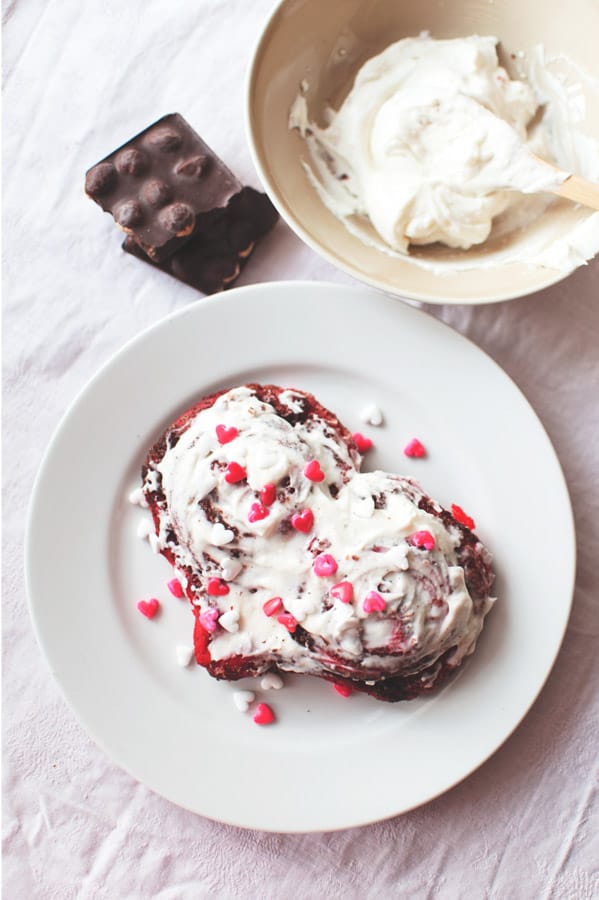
(553, 276)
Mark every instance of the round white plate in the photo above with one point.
(328, 762)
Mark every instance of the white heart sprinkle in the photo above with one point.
(230, 568)
(220, 535)
(372, 415)
(242, 699)
(184, 654)
(271, 680)
(230, 621)
(137, 498)
(144, 529)
(154, 542)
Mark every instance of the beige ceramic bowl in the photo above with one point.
(324, 42)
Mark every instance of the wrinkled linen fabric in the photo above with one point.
(79, 80)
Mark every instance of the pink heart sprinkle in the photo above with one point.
(226, 435)
(288, 621)
(461, 517)
(325, 565)
(313, 472)
(272, 606)
(414, 448)
(217, 588)
(264, 714)
(208, 619)
(268, 494)
(422, 539)
(176, 588)
(303, 521)
(148, 608)
(373, 602)
(257, 512)
(343, 689)
(362, 443)
(234, 473)
(343, 591)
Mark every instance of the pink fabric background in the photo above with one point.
(78, 81)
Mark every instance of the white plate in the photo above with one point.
(328, 762)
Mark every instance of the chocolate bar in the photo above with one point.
(163, 187)
(212, 260)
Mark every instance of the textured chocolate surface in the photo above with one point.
(163, 187)
(213, 259)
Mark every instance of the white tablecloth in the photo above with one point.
(81, 77)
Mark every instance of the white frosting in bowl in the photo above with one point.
(435, 143)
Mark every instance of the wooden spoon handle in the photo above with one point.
(579, 190)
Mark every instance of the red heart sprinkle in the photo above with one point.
(343, 591)
(288, 621)
(373, 602)
(325, 565)
(313, 472)
(303, 521)
(264, 714)
(257, 512)
(208, 619)
(461, 517)
(201, 640)
(217, 588)
(362, 443)
(226, 435)
(234, 473)
(414, 448)
(343, 689)
(148, 608)
(176, 588)
(268, 494)
(272, 606)
(422, 539)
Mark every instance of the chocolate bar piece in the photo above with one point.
(212, 261)
(163, 187)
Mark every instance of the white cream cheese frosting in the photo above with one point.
(361, 519)
(435, 143)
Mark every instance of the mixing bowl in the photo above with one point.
(319, 45)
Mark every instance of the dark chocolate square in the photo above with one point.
(213, 259)
(163, 187)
